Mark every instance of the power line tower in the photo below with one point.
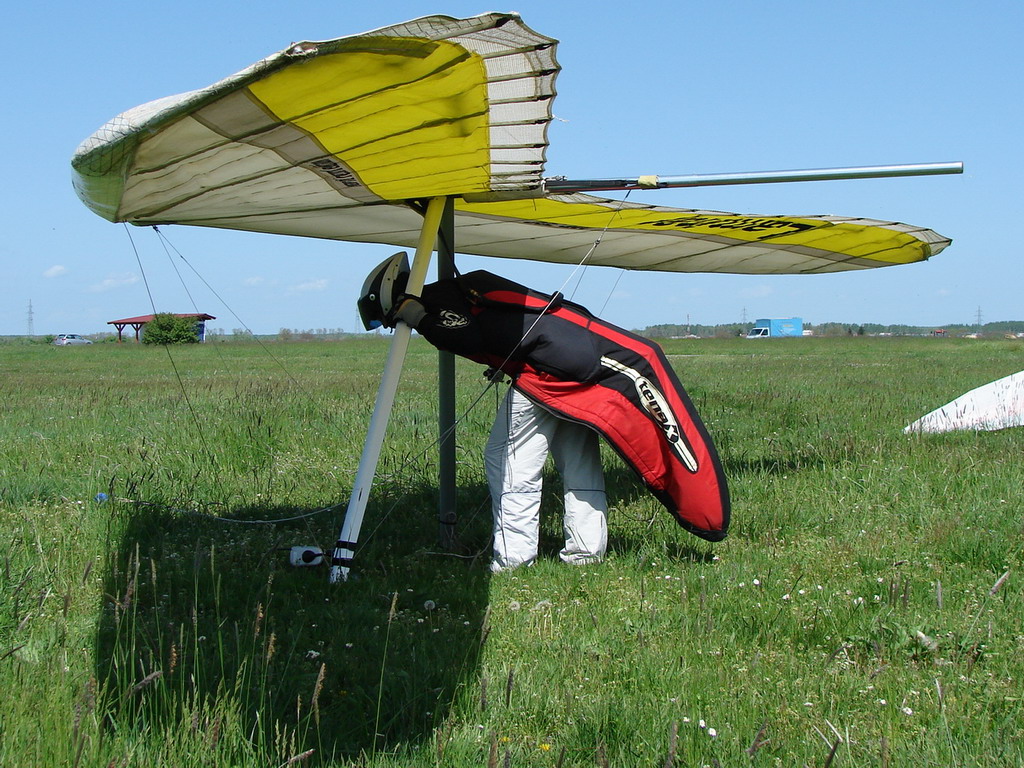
(744, 318)
(31, 320)
(978, 318)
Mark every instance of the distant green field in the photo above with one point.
(856, 615)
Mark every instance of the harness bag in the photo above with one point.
(581, 368)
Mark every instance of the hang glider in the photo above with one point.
(435, 131)
(332, 139)
(993, 406)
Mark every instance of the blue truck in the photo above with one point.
(777, 328)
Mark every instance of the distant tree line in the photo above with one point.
(311, 334)
(727, 330)
(221, 335)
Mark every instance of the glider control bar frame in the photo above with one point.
(446, 392)
(344, 548)
(560, 185)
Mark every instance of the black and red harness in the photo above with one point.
(581, 368)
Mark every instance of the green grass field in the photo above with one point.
(856, 615)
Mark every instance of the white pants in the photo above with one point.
(517, 449)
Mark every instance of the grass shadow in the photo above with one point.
(206, 627)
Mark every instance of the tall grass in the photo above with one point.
(859, 612)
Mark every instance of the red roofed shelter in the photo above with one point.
(138, 322)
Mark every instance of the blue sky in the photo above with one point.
(659, 87)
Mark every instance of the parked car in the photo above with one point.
(67, 339)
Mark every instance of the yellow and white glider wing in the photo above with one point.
(332, 139)
(436, 106)
(637, 236)
(562, 229)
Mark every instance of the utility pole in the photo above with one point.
(31, 321)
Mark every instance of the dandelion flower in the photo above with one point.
(429, 605)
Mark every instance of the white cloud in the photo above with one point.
(757, 292)
(112, 281)
(309, 286)
(56, 271)
(252, 282)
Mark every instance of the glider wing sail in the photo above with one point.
(437, 106)
(638, 236)
(332, 139)
(993, 406)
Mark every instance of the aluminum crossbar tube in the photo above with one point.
(561, 185)
(344, 548)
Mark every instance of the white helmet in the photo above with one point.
(382, 286)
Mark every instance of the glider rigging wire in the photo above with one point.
(167, 244)
(600, 237)
(612, 291)
(170, 357)
(168, 247)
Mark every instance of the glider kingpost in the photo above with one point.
(438, 123)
